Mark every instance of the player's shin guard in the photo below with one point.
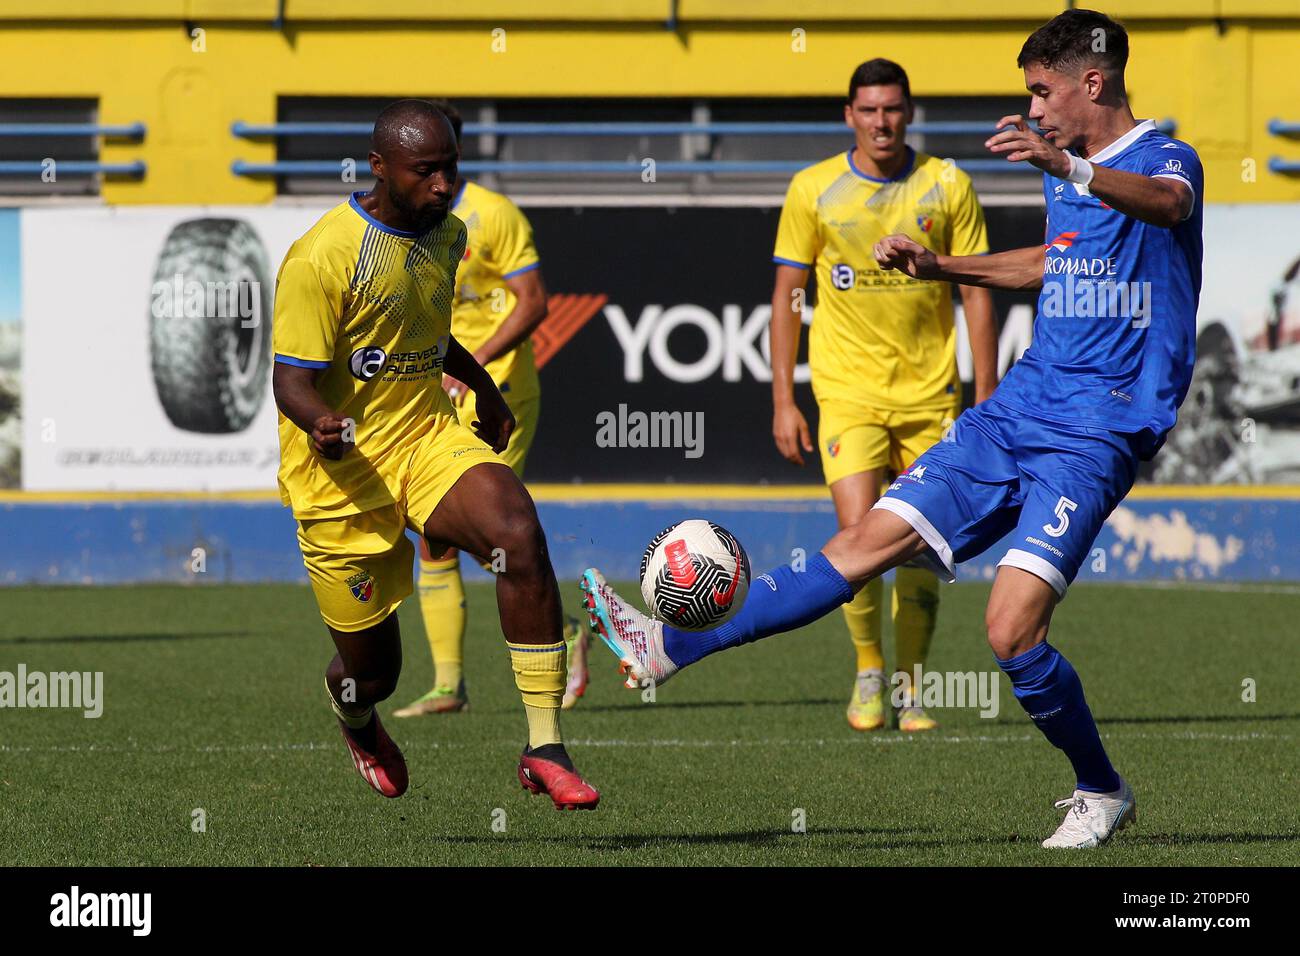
(540, 674)
(915, 606)
(863, 617)
(1051, 693)
(442, 605)
(781, 600)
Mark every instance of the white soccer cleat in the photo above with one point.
(638, 640)
(1093, 818)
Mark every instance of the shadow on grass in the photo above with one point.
(121, 638)
(635, 701)
(645, 841)
(1202, 719)
(1197, 839)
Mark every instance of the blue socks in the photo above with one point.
(781, 600)
(1050, 692)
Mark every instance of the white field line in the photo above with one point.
(683, 743)
(1225, 586)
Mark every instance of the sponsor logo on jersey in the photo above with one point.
(1174, 165)
(367, 362)
(362, 586)
(842, 276)
(1062, 242)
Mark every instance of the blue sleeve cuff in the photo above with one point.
(790, 262)
(521, 270)
(300, 363)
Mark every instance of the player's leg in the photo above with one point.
(488, 513)
(914, 601)
(854, 447)
(360, 571)
(853, 496)
(1077, 482)
(363, 673)
(958, 508)
(441, 590)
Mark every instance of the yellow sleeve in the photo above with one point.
(308, 312)
(511, 239)
(797, 240)
(969, 235)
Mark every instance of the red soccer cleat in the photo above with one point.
(565, 787)
(385, 769)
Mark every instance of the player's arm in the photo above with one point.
(1020, 269)
(789, 427)
(495, 421)
(1156, 200)
(296, 396)
(982, 330)
(527, 315)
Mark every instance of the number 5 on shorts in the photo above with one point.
(1063, 509)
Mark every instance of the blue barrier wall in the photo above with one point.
(128, 541)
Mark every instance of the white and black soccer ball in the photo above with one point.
(694, 575)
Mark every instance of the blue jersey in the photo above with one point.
(1114, 337)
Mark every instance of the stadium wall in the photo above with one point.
(1178, 534)
(188, 69)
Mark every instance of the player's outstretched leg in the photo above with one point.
(489, 514)
(780, 600)
(1018, 615)
(362, 673)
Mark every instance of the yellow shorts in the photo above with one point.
(854, 438)
(361, 565)
(526, 414)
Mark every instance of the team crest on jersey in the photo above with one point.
(833, 446)
(362, 586)
(925, 223)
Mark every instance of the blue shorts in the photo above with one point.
(997, 470)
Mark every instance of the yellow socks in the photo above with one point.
(862, 614)
(355, 721)
(442, 605)
(915, 607)
(540, 674)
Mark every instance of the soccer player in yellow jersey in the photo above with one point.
(370, 445)
(881, 348)
(500, 299)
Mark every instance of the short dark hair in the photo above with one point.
(395, 116)
(879, 72)
(1077, 37)
(453, 115)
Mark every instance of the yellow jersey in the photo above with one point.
(500, 246)
(370, 306)
(880, 338)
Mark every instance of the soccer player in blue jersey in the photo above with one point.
(1057, 446)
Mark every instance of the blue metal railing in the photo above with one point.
(954, 128)
(1278, 165)
(315, 167)
(130, 131)
(74, 167)
(1277, 127)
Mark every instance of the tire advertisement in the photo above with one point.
(145, 345)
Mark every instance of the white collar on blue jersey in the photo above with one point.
(1124, 142)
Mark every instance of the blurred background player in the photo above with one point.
(371, 446)
(882, 349)
(500, 299)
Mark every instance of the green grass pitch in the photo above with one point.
(213, 699)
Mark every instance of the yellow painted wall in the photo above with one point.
(1222, 83)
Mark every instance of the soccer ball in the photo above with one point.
(694, 575)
